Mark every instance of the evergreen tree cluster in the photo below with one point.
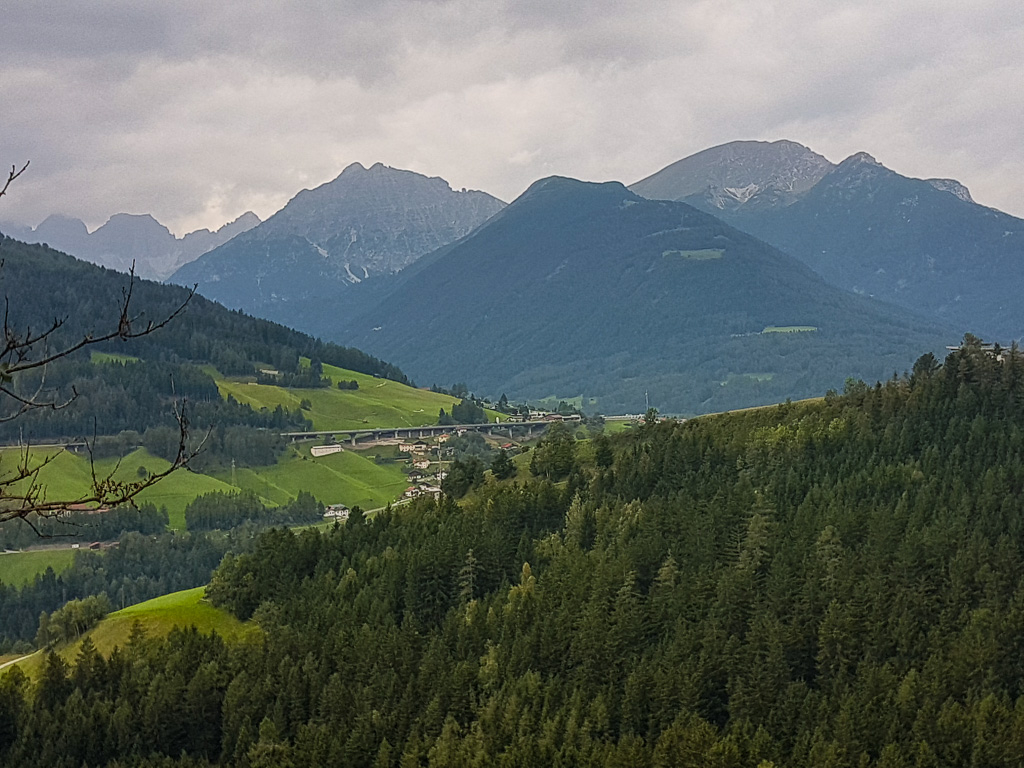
(84, 527)
(86, 298)
(218, 510)
(83, 300)
(466, 411)
(110, 398)
(836, 584)
(463, 475)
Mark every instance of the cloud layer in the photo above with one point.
(196, 111)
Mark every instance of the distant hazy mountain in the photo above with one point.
(921, 244)
(126, 238)
(302, 265)
(589, 289)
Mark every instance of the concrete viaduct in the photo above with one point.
(398, 433)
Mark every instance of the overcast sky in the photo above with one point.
(198, 111)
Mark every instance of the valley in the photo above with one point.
(512, 385)
(341, 567)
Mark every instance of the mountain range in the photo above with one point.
(323, 256)
(130, 238)
(922, 244)
(589, 289)
(745, 273)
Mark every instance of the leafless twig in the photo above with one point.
(22, 494)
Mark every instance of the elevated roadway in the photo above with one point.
(352, 436)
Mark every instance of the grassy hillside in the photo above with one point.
(347, 477)
(156, 618)
(65, 476)
(19, 568)
(174, 492)
(377, 403)
(68, 476)
(159, 616)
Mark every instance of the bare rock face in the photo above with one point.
(330, 250)
(739, 174)
(954, 187)
(378, 220)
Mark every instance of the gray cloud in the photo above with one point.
(196, 111)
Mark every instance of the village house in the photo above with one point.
(336, 512)
(325, 450)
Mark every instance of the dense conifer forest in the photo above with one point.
(836, 583)
(83, 300)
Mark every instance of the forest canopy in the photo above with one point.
(833, 583)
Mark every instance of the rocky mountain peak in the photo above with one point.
(860, 158)
(60, 226)
(378, 220)
(342, 238)
(128, 238)
(954, 188)
(740, 173)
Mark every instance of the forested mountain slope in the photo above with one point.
(923, 244)
(43, 286)
(830, 584)
(580, 288)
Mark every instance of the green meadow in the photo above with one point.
(377, 403)
(159, 616)
(68, 476)
(347, 477)
(156, 618)
(704, 254)
(614, 427)
(174, 491)
(20, 568)
(789, 328)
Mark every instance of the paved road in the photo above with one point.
(6, 664)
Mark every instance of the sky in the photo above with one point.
(195, 111)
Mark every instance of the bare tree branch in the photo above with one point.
(13, 175)
(22, 494)
(19, 348)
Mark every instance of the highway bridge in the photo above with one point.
(354, 435)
